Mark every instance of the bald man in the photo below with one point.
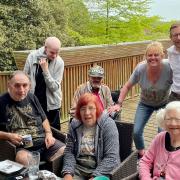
(45, 68)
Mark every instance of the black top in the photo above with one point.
(40, 88)
(168, 143)
(22, 117)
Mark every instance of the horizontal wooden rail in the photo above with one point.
(118, 62)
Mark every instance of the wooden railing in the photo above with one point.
(118, 62)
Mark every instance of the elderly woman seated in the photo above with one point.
(163, 156)
(92, 143)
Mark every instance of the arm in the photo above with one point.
(108, 97)
(124, 91)
(53, 81)
(69, 160)
(76, 97)
(68, 177)
(134, 79)
(49, 139)
(13, 137)
(110, 143)
(27, 64)
(4, 134)
(146, 163)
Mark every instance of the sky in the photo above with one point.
(167, 9)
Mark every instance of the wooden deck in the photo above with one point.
(128, 112)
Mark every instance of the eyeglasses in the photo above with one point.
(90, 109)
(175, 35)
(170, 119)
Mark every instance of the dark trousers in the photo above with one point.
(54, 118)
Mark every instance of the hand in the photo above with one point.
(44, 64)
(68, 177)
(49, 140)
(15, 138)
(114, 108)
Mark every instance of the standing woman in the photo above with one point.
(154, 76)
(92, 142)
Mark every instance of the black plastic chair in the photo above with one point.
(115, 95)
(127, 170)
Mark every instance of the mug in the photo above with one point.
(27, 141)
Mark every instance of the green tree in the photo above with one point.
(117, 10)
(27, 23)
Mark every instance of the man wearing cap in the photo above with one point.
(94, 85)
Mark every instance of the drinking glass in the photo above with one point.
(33, 165)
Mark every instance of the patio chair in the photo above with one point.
(127, 170)
(8, 151)
(115, 95)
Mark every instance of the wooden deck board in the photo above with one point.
(127, 114)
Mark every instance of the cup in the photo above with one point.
(33, 165)
(27, 141)
(101, 178)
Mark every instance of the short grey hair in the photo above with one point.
(160, 116)
(18, 72)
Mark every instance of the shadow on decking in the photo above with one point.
(128, 112)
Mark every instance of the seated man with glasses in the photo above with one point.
(95, 86)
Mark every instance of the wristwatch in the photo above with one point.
(120, 103)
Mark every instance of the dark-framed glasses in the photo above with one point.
(175, 35)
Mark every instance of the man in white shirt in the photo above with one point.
(174, 60)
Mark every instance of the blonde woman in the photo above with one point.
(154, 76)
(163, 155)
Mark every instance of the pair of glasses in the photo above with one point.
(170, 119)
(84, 109)
(175, 35)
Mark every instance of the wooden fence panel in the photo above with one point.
(118, 62)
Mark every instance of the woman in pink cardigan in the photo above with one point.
(162, 160)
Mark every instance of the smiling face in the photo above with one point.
(88, 114)
(154, 57)
(172, 122)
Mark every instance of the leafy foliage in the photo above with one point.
(25, 24)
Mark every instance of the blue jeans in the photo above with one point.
(143, 114)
